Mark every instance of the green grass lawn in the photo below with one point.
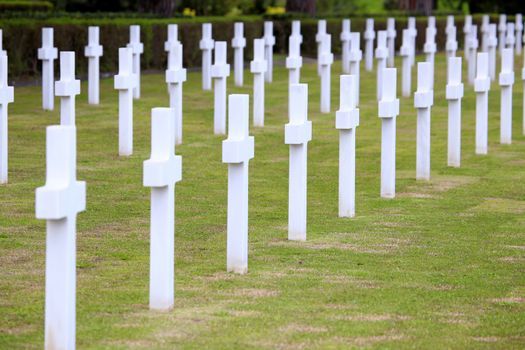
(440, 266)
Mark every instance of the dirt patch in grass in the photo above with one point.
(508, 300)
(370, 340)
(351, 280)
(501, 205)
(244, 313)
(302, 328)
(253, 292)
(436, 185)
(373, 318)
(512, 259)
(388, 247)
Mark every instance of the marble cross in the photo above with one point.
(237, 150)
(175, 77)
(472, 50)
(345, 45)
(451, 46)
(355, 61)
(430, 48)
(294, 61)
(238, 44)
(484, 29)
(321, 32)
(297, 134)
(492, 44)
(59, 202)
(502, 30)
(124, 82)
(406, 53)
(137, 48)
(2, 51)
(219, 72)
(258, 67)
(391, 40)
(482, 87)
(381, 56)
(48, 54)
(466, 32)
(506, 81)
(67, 88)
(161, 172)
(519, 32)
(413, 36)
(206, 45)
(423, 101)
(326, 59)
(93, 51)
(269, 42)
(369, 36)
(346, 121)
(454, 94)
(6, 97)
(173, 38)
(296, 31)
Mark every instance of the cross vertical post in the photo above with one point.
(269, 42)
(206, 45)
(67, 88)
(506, 81)
(369, 36)
(391, 40)
(355, 61)
(321, 32)
(492, 44)
(48, 54)
(381, 56)
(454, 94)
(238, 44)
(405, 52)
(219, 72)
(93, 51)
(175, 77)
(482, 87)
(423, 100)
(125, 81)
(345, 45)
(137, 48)
(326, 59)
(6, 97)
(258, 67)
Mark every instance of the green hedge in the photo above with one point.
(23, 37)
(25, 6)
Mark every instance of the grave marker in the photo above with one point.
(519, 32)
(388, 112)
(237, 150)
(355, 60)
(502, 29)
(454, 94)
(346, 121)
(412, 29)
(492, 43)
(294, 61)
(93, 51)
(450, 24)
(472, 50)
(381, 56)
(59, 202)
(206, 45)
(258, 67)
(523, 80)
(238, 44)
(391, 40)
(484, 29)
(296, 31)
(326, 59)
(430, 48)
(423, 101)
(125, 81)
(321, 32)
(173, 38)
(137, 48)
(297, 134)
(6, 97)
(482, 87)
(161, 172)
(269, 42)
(451, 45)
(220, 71)
(506, 80)
(175, 77)
(510, 40)
(48, 54)
(466, 32)
(2, 51)
(406, 53)
(345, 45)
(67, 88)
(369, 36)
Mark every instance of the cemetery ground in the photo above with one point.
(440, 266)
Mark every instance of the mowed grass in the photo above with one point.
(440, 266)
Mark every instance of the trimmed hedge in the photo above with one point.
(25, 6)
(22, 38)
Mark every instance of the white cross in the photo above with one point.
(326, 59)
(406, 53)
(523, 80)
(345, 45)
(206, 45)
(482, 87)
(175, 76)
(47, 54)
(6, 97)
(59, 202)
(506, 80)
(355, 58)
(67, 88)
(492, 44)
(294, 61)
(423, 100)
(451, 46)
(346, 121)
(269, 42)
(467, 25)
(297, 134)
(2, 51)
(220, 71)
(161, 172)
(237, 150)
(519, 31)
(296, 31)
(381, 56)
(430, 49)
(369, 36)
(321, 32)
(502, 29)
(93, 51)
(238, 44)
(413, 35)
(510, 39)
(137, 48)
(173, 38)
(391, 40)
(472, 50)
(450, 24)
(454, 94)
(258, 67)
(484, 29)
(388, 111)
(125, 81)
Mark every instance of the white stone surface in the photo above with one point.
(406, 67)
(294, 61)
(219, 72)
(454, 94)
(326, 59)
(519, 33)
(59, 202)
(67, 88)
(381, 54)
(48, 54)
(269, 42)
(388, 112)
(345, 45)
(430, 48)
(523, 94)
(124, 82)
(482, 87)
(321, 32)
(347, 121)
(297, 134)
(237, 150)
(502, 31)
(206, 45)
(238, 44)
(467, 25)
(172, 39)
(451, 46)
(93, 51)
(423, 101)
(510, 39)
(137, 48)
(472, 51)
(6, 97)
(506, 81)
(450, 24)
(412, 29)
(175, 77)
(391, 40)
(355, 61)
(161, 172)
(258, 67)
(369, 37)
(2, 51)
(484, 30)
(492, 44)
(296, 31)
